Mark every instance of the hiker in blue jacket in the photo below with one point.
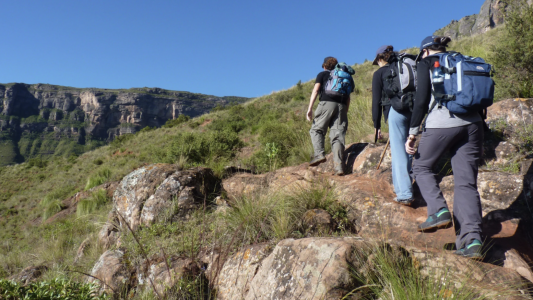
(398, 118)
(462, 136)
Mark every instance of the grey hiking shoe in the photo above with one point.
(441, 219)
(472, 250)
(406, 202)
(316, 160)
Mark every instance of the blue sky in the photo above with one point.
(222, 48)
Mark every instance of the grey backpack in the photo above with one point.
(400, 83)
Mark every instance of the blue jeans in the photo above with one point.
(401, 161)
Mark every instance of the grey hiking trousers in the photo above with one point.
(332, 115)
(465, 145)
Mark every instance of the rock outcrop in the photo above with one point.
(491, 15)
(159, 193)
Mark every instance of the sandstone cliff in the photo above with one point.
(32, 114)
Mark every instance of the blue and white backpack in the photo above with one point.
(340, 82)
(468, 85)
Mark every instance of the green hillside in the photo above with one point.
(266, 133)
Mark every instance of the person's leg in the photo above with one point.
(320, 126)
(401, 161)
(467, 204)
(434, 142)
(337, 133)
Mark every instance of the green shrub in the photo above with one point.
(97, 179)
(95, 201)
(175, 122)
(512, 56)
(59, 289)
(37, 162)
(98, 161)
(121, 139)
(202, 148)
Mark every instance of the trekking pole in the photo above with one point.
(383, 154)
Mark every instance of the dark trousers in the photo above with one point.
(465, 145)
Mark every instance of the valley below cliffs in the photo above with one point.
(42, 120)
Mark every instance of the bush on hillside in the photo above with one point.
(177, 121)
(512, 55)
(54, 289)
(201, 148)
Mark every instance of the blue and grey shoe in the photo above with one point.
(472, 250)
(441, 219)
(406, 202)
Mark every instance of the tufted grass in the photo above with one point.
(391, 273)
(90, 205)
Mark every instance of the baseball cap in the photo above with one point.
(381, 50)
(428, 41)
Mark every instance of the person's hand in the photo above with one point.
(377, 132)
(410, 145)
(309, 114)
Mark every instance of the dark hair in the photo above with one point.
(442, 43)
(330, 63)
(386, 55)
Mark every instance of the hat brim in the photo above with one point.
(375, 62)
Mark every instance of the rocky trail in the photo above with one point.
(323, 267)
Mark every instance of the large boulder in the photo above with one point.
(312, 268)
(160, 192)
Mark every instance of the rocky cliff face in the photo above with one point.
(491, 15)
(46, 112)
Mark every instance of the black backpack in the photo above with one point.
(399, 86)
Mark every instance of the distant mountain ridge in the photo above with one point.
(491, 15)
(35, 119)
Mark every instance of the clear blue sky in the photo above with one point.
(241, 48)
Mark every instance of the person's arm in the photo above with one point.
(377, 109)
(312, 101)
(423, 96)
(420, 105)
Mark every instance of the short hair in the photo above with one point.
(387, 54)
(330, 63)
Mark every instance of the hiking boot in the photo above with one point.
(472, 250)
(316, 160)
(406, 202)
(339, 173)
(441, 219)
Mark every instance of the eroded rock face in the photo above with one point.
(111, 272)
(161, 192)
(105, 110)
(491, 15)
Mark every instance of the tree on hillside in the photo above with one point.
(512, 56)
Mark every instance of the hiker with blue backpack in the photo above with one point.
(451, 89)
(334, 86)
(393, 92)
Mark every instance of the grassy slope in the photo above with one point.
(275, 118)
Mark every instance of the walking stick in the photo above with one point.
(383, 154)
